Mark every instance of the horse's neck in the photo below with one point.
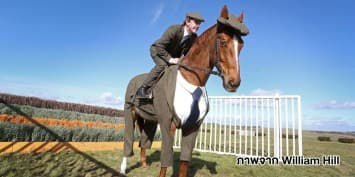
(200, 55)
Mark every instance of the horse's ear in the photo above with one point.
(241, 16)
(224, 12)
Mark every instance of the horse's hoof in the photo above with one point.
(144, 164)
(123, 172)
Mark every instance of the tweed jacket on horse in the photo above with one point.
(160, 110)
(163, 94)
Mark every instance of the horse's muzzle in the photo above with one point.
(231, 85)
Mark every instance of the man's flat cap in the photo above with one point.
(195, 16)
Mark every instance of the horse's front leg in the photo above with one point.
(183, 168)
(187, 146)
(163, 171)
(172, 130)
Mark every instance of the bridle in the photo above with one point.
(207, 71)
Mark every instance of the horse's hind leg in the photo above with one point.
(143, 159)
(130, 118)
(147, 131)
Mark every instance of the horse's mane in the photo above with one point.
(206, 35)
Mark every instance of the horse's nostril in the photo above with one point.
(233, 83)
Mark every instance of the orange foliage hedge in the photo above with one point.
(57, 122)
(51, 104)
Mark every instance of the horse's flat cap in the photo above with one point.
(233, 22)
(196, 16)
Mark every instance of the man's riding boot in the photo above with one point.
(144, 92)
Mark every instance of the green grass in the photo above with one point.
(107, 163)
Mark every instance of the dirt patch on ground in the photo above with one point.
(35, 147)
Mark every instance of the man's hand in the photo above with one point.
(174, 60)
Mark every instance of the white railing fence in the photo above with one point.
(269, 126)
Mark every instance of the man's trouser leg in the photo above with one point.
(155, 72)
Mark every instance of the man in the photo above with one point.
(173, 45)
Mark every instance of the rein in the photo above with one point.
(207, 71)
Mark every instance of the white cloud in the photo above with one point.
(262, 92)
(327, 123)
(106, 99)
(55, 91)
(31, 87)
(157, 13)
(333, 104)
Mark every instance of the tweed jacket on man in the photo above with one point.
(169, 45)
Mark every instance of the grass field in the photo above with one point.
(107, 163)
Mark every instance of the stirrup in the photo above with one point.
(144, 92)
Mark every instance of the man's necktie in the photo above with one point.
(185, 39)
(195, 111)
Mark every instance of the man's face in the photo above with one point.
(192, 25)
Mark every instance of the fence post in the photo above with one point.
(300, 153)
(277, 126)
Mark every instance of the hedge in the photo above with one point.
(290, 136)
(346, 140)
(52, 104)
(324, 138)
(57, 122)
(30, 132)
(29, 111)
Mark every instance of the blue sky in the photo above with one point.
(86, 51)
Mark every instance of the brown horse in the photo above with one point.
(219, 46)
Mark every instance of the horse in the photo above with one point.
(219, 46)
